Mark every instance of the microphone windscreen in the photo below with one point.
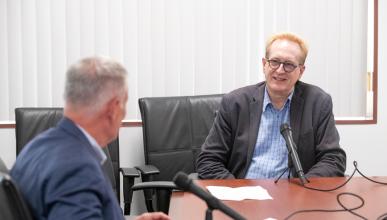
(182, 180)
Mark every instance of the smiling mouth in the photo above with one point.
(279, 78)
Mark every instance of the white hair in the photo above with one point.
(92, 81)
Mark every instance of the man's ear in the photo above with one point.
(263, 64)
(302, 69)
(110, 109)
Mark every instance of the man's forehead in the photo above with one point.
(284, 43)
(286, 48)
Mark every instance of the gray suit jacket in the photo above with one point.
(229, 147)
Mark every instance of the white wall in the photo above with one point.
(367, 144)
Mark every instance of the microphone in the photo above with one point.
(184, 182)
(286, 132)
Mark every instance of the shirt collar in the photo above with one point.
(98, 150)
(267, 100)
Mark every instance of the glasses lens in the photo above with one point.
(274, 63)
(289, 67)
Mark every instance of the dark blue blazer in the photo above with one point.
(61, 177)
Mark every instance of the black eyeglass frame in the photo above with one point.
(285, 65)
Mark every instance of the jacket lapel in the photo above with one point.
(296, 111)
(255, 111)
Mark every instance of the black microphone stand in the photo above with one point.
(211, 205)
(209, 213)
(278, 178)
(289, 168)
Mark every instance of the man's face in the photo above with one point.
(280, 81)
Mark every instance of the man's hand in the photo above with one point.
(153, 216)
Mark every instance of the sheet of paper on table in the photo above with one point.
(239, 193)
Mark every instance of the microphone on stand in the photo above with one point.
(286, 132)
(184, 182)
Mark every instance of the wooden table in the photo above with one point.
(288, 197)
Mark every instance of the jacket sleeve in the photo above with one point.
(215, 152)
(330, 159)
(74, 192)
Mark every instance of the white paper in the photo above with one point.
(239, 193)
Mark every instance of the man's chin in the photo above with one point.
(279, 90)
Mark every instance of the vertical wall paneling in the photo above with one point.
(359, 64)
(187, 45)
(44, 53)
(344, 46)
(178, 47)
(29, 65)
(4, 88)
(103, 27)
(130, 47)
(158, 47)
(15, 57)
(88, 28)
(229, 46)
(172, 48)
(240, 33)
(333, 48)
(58, 52)
(144, 51)
(114, 30)
(73, 31)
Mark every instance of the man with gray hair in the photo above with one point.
(60, 171)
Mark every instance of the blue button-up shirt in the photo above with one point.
(270, 157)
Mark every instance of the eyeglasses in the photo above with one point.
(288, 67)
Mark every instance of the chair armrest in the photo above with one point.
(162, 190)
(148, 169)
(129, 174)
(154, 185)
(147, 172)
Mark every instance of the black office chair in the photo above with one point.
(32, 121)
(174, 128)
(12, 204)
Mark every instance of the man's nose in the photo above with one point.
(281, 69)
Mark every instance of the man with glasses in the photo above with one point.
(245, 140)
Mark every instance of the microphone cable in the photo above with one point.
(351, 210)
(340, 195)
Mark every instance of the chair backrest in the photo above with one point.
(33, 121)
(174, 128)
(12, 204)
